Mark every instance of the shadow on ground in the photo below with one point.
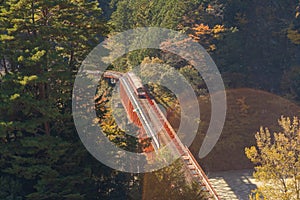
(235, 184)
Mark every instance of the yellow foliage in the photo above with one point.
(212, 47)
(256, 195)
(6, 37)
(294, 36)
(26, 79)
(199, 31)
(152, 60)
(14, 96)
(252, 154)
(218, 29)
(277, 156)
(243, 106)
(20, 58)
(38, 55)
(205, 35)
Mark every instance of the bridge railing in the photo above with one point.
(166, 125)
(183, 150)
(205, 180)
(139, 111)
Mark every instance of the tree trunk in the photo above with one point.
(43, 96)
(47, 128)
(5, 66)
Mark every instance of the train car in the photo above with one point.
(136, 83)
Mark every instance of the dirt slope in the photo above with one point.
(247, 110)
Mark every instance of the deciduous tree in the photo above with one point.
(277, 159)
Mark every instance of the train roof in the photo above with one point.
(136, 81)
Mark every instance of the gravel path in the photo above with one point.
(233, 185)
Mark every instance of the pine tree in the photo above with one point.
(171, 183)
(42, 46)
(43, 43)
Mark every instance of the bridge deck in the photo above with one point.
(159, 129)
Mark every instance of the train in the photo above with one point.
(136, 83)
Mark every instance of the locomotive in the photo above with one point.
(136, 83)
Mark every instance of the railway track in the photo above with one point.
(146, 113)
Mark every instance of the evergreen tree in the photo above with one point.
(170, 183)
(44, 43)
(42, 46)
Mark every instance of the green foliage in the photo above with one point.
(130, 14)
(50, 167)
(260, 48)
(291, 83)
(194, 79)
(47, 167)
(293, 32)
(171, 183)
(277, 157)
(144, 13)
(294, 36)
(11, 189)
(42, 46)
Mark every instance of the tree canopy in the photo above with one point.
(277, 156)
(43, 43)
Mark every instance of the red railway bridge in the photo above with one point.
(144, 112)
